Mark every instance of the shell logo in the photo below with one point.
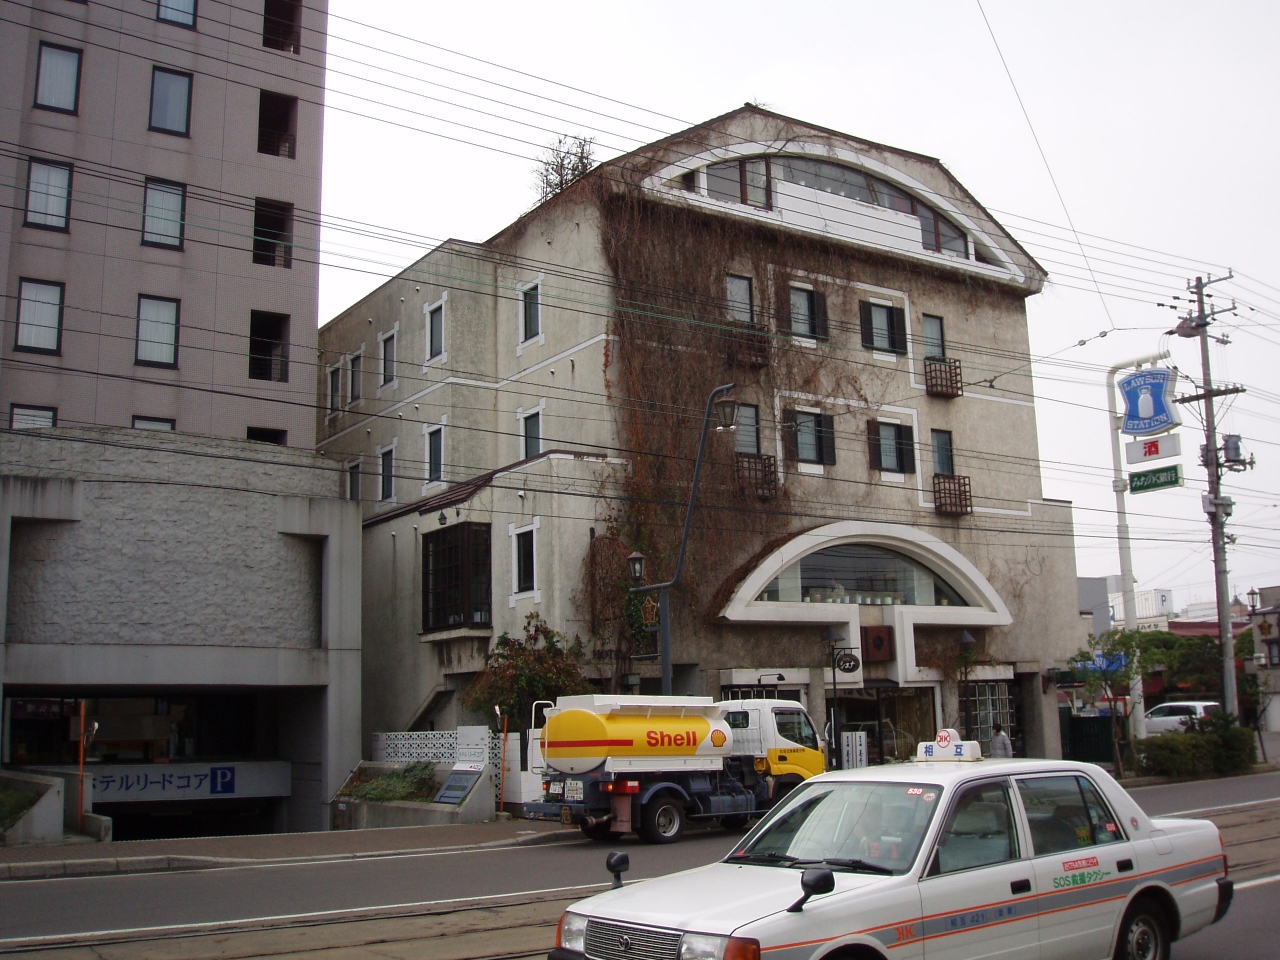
(718, 738)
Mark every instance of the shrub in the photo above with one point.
(1213, 744)
(417, 781)
(14, 803)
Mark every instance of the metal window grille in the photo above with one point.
(952, 495)
(757, 475)
(456, 582)
(943, 377)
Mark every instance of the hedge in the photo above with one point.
(1228, 749)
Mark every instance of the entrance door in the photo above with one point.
(978, 894)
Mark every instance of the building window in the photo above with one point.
(456, 577)
(435, 332)
(40, 316)
(435, 455)
(163, 214)
(355, 386)
(282, 25)
(335, 389)
(267, 435)
(181, 12)
(934, 343)
(883, 328)
(741, 181)
(808, 310)
(48, 195)
(353, 480)
(532, 430)
(526, 580)
(809, 437)
(170, 101)
(943, 460)
(58, 79)
(277, 124)
(892, 447)
(269, 346)
(32, 418)
(388, 358)
(863, 574)
(387, 479)
(157, 332)
(531, 310)
(940, 234)
(161, 424)
(746, 436)
(741, 306)
(273, 233)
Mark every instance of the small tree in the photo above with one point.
(1109, 662)
(542, 665)
(565, 161)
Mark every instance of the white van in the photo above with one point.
(1169, 717)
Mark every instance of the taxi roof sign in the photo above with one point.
(948, 746)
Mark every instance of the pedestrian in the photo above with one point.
(1001, 746)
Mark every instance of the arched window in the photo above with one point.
(861, 573)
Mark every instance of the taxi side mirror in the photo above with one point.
(813, 881)
(617, 863)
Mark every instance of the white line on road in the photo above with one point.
(334, 914)
(1223, 806)
(1258, 882)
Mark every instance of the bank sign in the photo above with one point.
(133, 782)
(1148, 402)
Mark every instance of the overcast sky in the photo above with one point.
(1157, 120)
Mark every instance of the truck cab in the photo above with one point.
(649, 765)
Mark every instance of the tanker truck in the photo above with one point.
(648, 765)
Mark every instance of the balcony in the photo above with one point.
(749, 345)
(942, 377)
(952, 495)
(757, 475)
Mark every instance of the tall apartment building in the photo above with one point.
(161, 164)
(517, 416)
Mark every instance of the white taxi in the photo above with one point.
(951, 856)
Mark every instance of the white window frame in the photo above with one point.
(512, 533)
(891, 476)
(53, 417)
(541, 338)
(802, 466)
(170, 424)
(427, 430)
(358, 463)
(378, 452)
(352, 380)
(442, 306)
(382, 359)
(521, 415)
(333, 400)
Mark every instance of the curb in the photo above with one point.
(108, 866)
(1133, 783)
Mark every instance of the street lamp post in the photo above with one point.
(726, 410)
(967, 645)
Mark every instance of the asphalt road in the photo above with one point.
(59, 907)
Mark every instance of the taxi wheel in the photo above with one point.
(663, 819)
(1144, 934)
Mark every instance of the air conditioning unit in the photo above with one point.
(877, 645)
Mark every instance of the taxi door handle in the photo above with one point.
(1020, 886)
(1124, 866)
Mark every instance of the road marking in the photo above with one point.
(1258, 882)
(1225, 806)
(196, 927)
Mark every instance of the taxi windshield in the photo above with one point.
(859, 827)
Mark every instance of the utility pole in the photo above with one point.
(1216, 506)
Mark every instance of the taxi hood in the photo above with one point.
(718, 898)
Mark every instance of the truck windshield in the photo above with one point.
(794, 725)
(863, 827)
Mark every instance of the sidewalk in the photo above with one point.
(73, 858)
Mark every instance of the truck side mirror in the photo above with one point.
(813, 881)
(619, 863)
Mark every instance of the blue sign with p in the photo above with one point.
(222, 780)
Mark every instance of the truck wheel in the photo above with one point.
(734, 821)
(1144, 935)
(599, 832)
(662, 820)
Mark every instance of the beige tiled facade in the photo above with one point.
(93, 377)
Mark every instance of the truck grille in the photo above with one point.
(617, 941)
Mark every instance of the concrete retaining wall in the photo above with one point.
(43, 822)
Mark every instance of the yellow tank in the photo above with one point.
(635, 734)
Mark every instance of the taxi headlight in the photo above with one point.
(572, 932)
(699, 946)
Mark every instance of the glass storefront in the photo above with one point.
(894, 720)
(862, 574)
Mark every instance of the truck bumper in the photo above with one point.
(1226, 890)
(560, 953)
(577, 812)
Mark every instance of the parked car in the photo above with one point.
(1170, 717)
(953, 856)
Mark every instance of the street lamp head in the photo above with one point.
(966, 638)
(831, 636)
(779, 677)
(726, 413)
(636, 563)
(1254, 596)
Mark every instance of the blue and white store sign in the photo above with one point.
(1148, 402)
(114, 783)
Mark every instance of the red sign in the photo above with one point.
(1082, 864)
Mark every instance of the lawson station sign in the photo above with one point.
(1148, 402)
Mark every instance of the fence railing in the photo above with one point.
(435, 746)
